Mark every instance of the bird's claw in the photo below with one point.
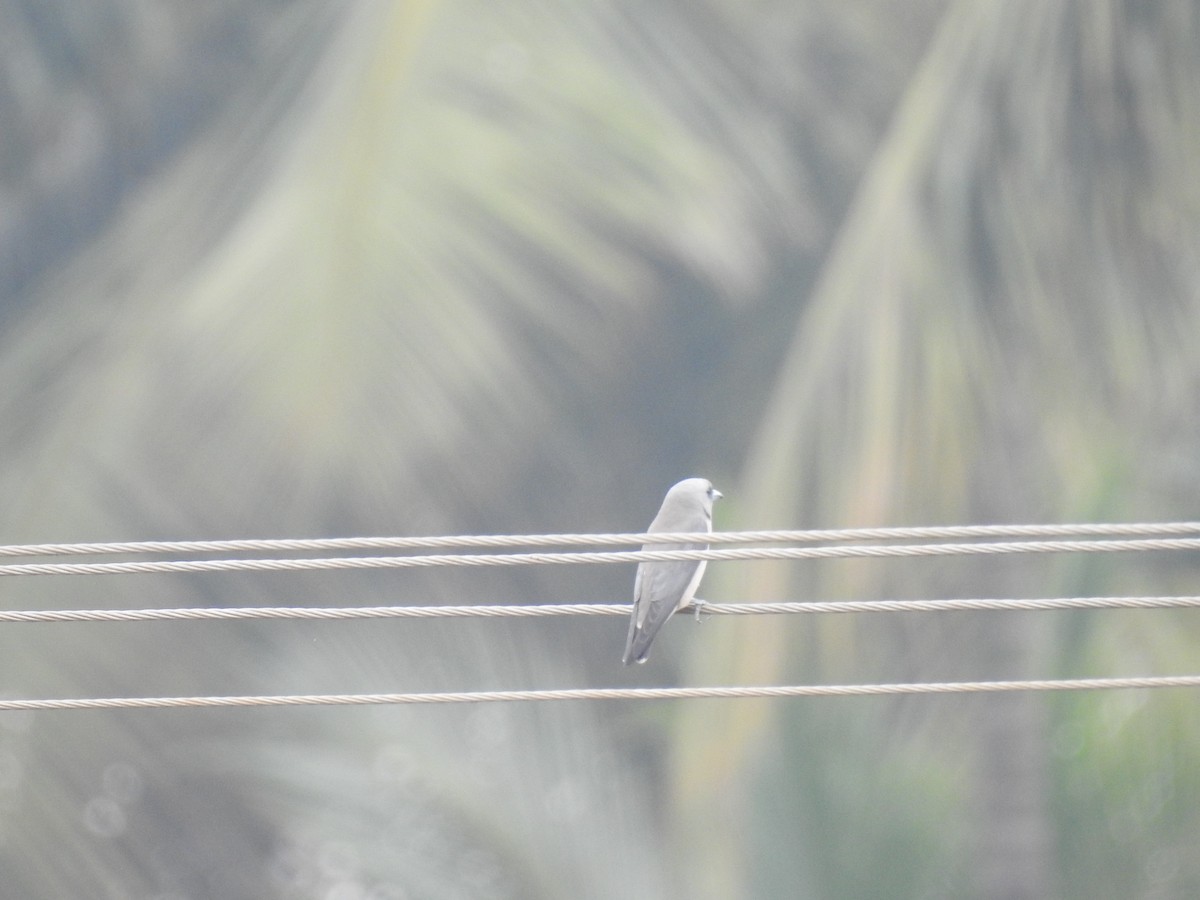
(698, 608)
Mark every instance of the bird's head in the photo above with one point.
(695, 493)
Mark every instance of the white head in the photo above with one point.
(691, 494)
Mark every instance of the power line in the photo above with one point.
(590, 609)
(922, 533)
(677, 693)
(624, 556)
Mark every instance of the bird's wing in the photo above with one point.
(658, 590)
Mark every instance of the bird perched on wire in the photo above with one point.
(661, 588)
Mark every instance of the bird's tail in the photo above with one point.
(637, 646)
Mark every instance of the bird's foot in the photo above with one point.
(698, 608)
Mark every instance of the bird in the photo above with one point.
(661, 588)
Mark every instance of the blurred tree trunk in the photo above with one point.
(1014, 846)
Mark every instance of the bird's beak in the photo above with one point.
(717, 495)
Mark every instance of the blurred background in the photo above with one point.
(302, 269)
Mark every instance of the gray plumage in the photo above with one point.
(661, 588)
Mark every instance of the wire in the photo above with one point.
(677, 693)
(938, 532)
(778, 553)
(589, 609)
(623, 556)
